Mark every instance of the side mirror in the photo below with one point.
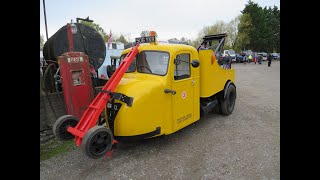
(195, 63)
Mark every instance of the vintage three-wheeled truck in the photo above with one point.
(157, 90)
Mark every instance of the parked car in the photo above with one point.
(264, 55)
(275, 56)
(232, 54)
(247, 52)
(239, 58)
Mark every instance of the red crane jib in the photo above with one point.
(90, 116)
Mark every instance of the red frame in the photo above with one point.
(91, 115)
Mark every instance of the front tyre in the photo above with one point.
(96, 142)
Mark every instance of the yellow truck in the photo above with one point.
(166, 88)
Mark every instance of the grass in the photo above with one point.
(54, 147)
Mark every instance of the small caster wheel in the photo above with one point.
(96, 142)
(61, 125)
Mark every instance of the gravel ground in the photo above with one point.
(244, 145)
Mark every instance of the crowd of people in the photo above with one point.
(226, 61)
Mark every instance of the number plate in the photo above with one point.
(146, 39)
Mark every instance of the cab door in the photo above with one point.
(182, 85)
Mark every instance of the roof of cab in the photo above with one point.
(171, 48)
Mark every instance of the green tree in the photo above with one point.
(275, 28)
(106, 38)
(256, 28)
(41, 42)
(244, 30)
(218, 28)
(122, 39)
(232, 32)
(264, 33)
(184, 39)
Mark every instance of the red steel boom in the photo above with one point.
(90, 117)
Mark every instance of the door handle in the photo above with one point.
(170, 91)
(193, 81)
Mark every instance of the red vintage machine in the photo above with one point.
(76, 77)
(76, 82)
(79, 50)
(85, 131)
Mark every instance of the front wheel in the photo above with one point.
(227, 105)
(97, 141)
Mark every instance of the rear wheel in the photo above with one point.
(227, 105)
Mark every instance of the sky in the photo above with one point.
(169, 18)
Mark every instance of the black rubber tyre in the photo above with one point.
(227, 105)
(96, 142)
(61, 125)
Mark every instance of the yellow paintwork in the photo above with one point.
(185, 111)
(152, 107)
(212, 76)
(148, 108)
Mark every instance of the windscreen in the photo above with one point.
(232, 52)
(150, 62)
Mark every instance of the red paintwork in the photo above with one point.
(70, 38)
(90, 116)
(77, 97)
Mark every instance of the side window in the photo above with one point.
(132, 66)
(182, 67)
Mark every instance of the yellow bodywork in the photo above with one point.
(212, 76)
(152, 108)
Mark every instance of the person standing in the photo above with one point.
(259, 59)
(269, 58)
(250, 58)
(203, 46)
(229, 61)
(225, 61)
(244, 59)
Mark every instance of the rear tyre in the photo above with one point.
(227, 105)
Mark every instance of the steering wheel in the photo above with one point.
(145, 67)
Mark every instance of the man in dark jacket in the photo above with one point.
(269, 59)
(259, 59)
(229, 61)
